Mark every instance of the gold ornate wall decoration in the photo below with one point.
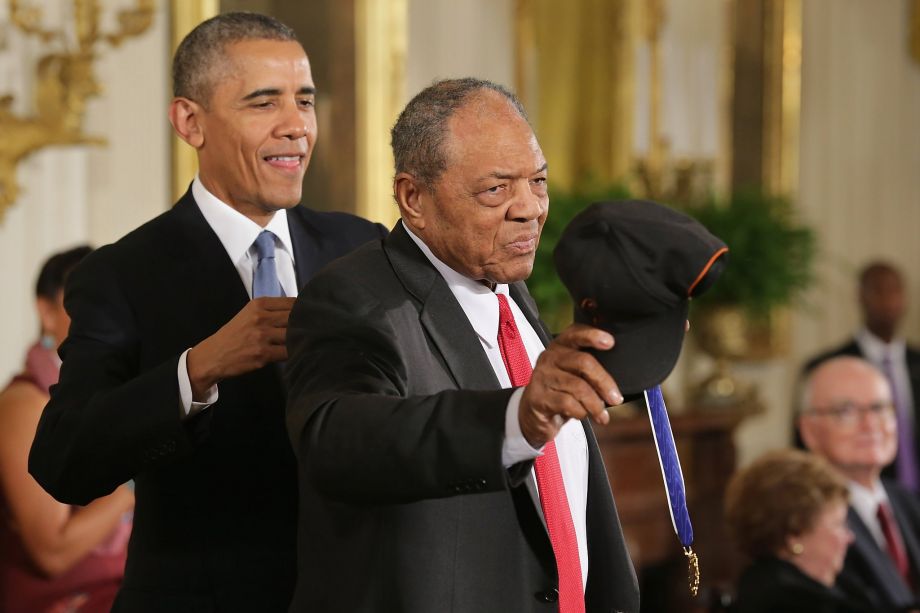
(575, 73)
(185, 15)
(658, 174)
(782, 96)
(65, 80)
(381, 41)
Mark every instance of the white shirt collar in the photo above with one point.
(236, 231)
(865, 501)
(875, 349)
(477, 301)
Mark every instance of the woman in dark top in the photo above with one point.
(54, 558)
(788, 512)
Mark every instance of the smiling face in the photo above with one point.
(258, 129)
(484, 214)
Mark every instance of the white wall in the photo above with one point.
(447, 38)
(693, 55)
(78, 194)
(860, 154)
(859, 183)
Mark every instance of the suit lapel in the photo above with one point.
(450, 330)
(911, 542)
(306, 248)
(202, 261)
(877, 560)
(913, 371)
(440, 314)
(525, 302)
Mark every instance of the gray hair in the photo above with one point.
(847, 362)
(202, 50)
(876, 268)
(418, 136)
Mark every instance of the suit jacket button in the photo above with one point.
(551, 595)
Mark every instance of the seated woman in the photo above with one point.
(788, 512)
(54, 558)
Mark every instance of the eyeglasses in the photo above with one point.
(849, 413)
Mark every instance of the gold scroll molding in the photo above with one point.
(381, 39)
(185, 15)
(782, 95)
(65, 79)
(658, 174)
(575, 74)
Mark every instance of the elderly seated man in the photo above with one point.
(848, 418)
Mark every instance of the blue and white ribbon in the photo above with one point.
(673, 478)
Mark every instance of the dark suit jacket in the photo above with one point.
(397, 419)
(868, 571)
(772, 585)
(911, 356)
(216, 508)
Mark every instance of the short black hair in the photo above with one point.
(54, 271)
(417, 138)
(200, 51)
(876, 268)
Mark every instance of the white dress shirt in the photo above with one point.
(237, 233)
(480, 305)
(865, 502)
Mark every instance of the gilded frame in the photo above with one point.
(183, 16)
(381, 42)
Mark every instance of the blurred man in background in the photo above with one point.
(883, 302)
(848, 418)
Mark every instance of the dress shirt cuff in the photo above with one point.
(515, 447)
(188, 405)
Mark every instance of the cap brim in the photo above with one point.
(643, 356)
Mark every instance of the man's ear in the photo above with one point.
(807, 432)
(184, 115)
(410, 196)
(47, 314)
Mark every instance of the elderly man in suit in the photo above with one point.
(447, 462)
(849, 419)
(883, 301)
(170, 374)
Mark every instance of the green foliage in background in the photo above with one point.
(770, 262)
(771, 254)
(550, 294)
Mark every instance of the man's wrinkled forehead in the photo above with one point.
(488, 119)
(228, 62)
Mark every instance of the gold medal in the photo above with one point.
(693, 570)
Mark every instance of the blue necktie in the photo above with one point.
(908, 472)
(265, 277)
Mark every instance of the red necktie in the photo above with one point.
(553, 499)
(893, 540)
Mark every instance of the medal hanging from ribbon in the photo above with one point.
(673, 480)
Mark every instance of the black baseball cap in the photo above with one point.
(631, 268)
